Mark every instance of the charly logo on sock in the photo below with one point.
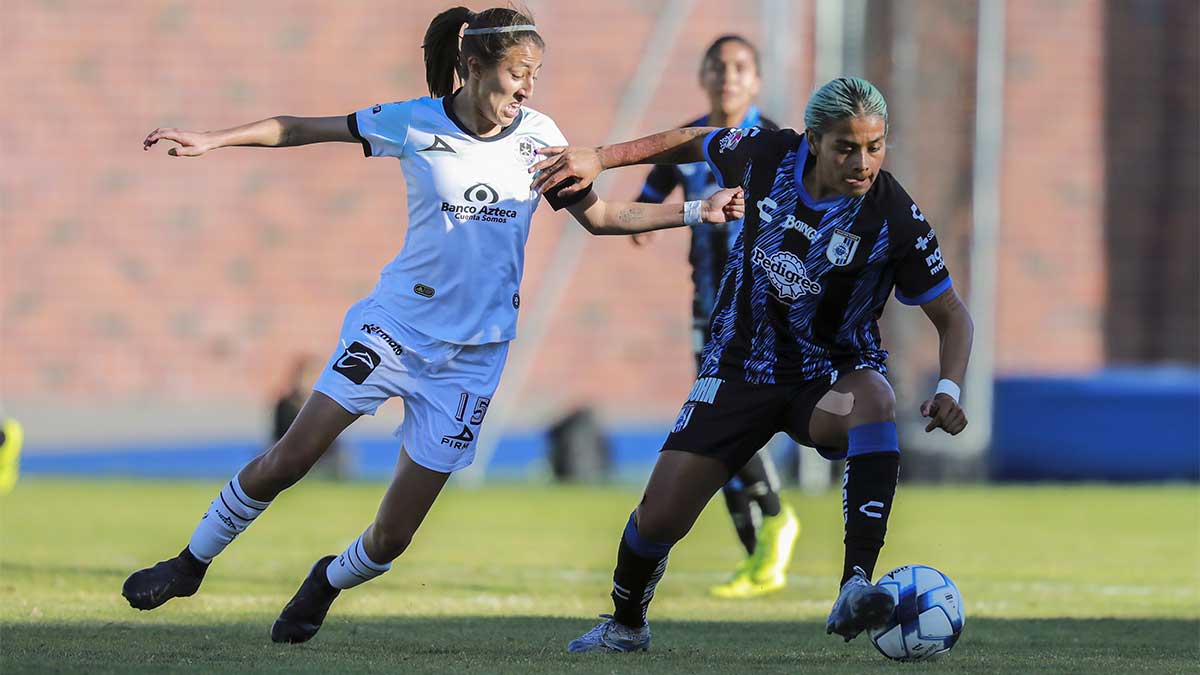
(865, 509)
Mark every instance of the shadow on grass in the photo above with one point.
(537, 645)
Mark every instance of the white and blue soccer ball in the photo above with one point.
(928, 618)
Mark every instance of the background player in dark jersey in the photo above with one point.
(765, 524)
(827, 237)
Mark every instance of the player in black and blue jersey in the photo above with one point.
(766, 525)
(828, 235)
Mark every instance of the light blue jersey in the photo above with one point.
(458, 275)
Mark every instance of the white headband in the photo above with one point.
(500, 29)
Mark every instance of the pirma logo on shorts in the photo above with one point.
(461, 440)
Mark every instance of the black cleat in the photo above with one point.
(301, 618)
(178, 577)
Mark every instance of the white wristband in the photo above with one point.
(948, 388)
(691, 212)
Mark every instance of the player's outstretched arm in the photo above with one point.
(562, 163)
(276, 132)
(600, 217)
(955, 332)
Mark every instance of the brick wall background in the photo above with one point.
(134, 283)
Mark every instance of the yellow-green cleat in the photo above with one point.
(740, 585)
(11, 437)
(766, 570)
(773, 553)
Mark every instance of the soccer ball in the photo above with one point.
(928, 617)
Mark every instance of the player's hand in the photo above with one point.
(724, 206)
(644, 238)
(565, 163)
(945, 413)
(191, 143)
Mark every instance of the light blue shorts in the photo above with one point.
(446, 387)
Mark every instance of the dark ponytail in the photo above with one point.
(443, 59)
(441, 50)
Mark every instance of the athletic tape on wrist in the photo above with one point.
(949, 388)
(691, 213)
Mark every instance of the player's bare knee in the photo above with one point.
(877, 408)
(874, 401)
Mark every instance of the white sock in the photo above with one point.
(227, 517)
(353, 567)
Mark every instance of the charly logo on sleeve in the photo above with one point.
(479, 205)
(786, 273)
(766, 205)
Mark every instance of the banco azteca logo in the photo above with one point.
(479, 206)
(786, 273)
(481, 193)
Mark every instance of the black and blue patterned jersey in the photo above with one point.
(710, 242)
(806, 281)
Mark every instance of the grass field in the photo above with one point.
(1079, 579)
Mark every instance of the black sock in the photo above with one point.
(741, 512)
(640, 565)
(197, 566)
(868, 488)
(757, 481)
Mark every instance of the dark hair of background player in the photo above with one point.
(715, 48)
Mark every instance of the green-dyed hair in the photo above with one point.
(842, 99)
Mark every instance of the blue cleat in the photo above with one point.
(860, 605)
(612, 636)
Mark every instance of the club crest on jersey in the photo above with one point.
(786, 273)
(527, 150)
(842, 247)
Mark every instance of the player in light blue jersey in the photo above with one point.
(766, 525)
(435, 330)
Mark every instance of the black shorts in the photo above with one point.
(730, 420)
